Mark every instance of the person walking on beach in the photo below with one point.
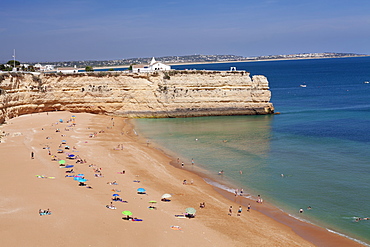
(230, 210)
(249, 207)
(239, 211)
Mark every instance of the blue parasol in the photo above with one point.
(71, 156)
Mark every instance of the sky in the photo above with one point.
(66, 30)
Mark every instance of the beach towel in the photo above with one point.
(180, 216)
(136, 220)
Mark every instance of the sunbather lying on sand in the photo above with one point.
(44, 212)
(111, 206)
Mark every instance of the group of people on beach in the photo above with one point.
(240, 209)
(239, 192)
(183, 164)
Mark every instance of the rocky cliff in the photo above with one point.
(159, 94)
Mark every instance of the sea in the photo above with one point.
(314, 154)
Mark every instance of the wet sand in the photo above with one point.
(79, 215)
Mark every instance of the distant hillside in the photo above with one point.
(196, 59)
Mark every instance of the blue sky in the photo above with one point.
(67, 30)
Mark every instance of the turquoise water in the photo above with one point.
(320, 142)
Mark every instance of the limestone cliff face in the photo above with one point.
(159, 94)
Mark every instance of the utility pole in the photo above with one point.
(14, 58)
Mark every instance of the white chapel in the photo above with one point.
(153, 66)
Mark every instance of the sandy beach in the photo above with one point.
(114, 160)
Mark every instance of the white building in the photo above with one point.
(47, 67)
(153, 66)
(67, 70)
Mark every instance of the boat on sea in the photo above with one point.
(366, 82)
(303, 85)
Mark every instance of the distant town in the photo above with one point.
(52, 66)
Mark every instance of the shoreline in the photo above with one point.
(309, 231)
(82, 211)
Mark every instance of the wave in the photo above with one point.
(225, 188)
(343, 235)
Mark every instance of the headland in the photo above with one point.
(158, 94)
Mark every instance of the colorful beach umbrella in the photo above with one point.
(152, 201)
(62, 162)
(127, 213)
(82, 180)
(73, 116)
(141, 190)
(190, 210)
(164, 196)
(115, 195)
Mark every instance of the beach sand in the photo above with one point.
(79, 215)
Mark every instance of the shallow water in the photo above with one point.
(320, 141)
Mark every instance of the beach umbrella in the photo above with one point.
(62, 162)
(115, 195)
(82, 180)
(140, 190)
(61, 120)
(73, 116)
(190, 210)
(127, 213)
(166, 196)
(69, 166)
(77, 178)
(71, 156)
(60, 151)
(152, 201)
(64, 141)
